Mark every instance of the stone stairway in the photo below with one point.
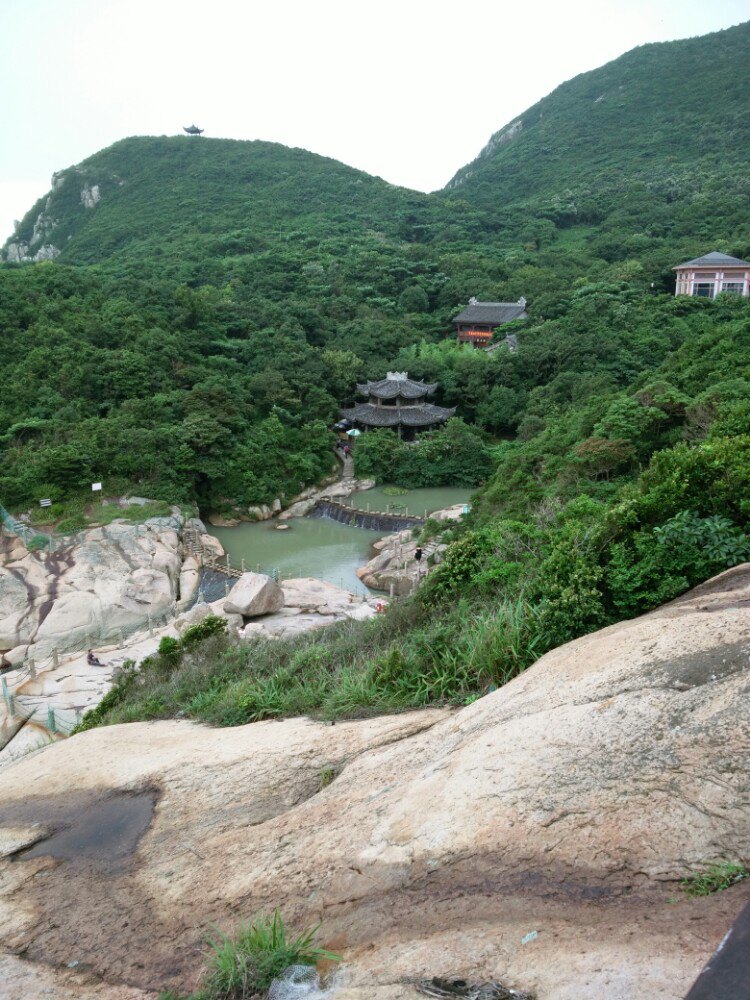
(347, 464)
(192, 542)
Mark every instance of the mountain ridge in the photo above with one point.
(138, 168)
(639, 119)
(628, 138)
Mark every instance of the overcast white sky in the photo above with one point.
(406, 89)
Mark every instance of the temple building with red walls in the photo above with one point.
(712, 275)
(477, 323)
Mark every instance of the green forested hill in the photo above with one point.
(647, 152)
(211, 199)
(211, 303)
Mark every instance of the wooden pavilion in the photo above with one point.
(398, 402)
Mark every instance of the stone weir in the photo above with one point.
(377, 520)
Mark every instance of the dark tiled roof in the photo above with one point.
(397, 384)
(492, 313)
(714, 259)
(391, 416)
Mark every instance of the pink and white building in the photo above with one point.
(713, 274)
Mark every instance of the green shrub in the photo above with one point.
(195, 634)
(453, 455)
(569, 587)
(488, 558)
(124, 682)
(168, 647)
(70, 525)
(657, 565)
(707, 479)
(430, 529)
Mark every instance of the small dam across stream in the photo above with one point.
(384, 521)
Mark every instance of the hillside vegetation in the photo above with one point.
(640, 159)
(203, 320)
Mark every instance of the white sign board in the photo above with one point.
(96, 487)
(45, 503)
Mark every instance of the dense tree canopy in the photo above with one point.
(204, 321)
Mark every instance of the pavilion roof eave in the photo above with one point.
(714, 259)
(391, 388)
(422, 415)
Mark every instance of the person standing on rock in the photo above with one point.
(418, 557)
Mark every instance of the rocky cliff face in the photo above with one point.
(535, 837)
(112, 579)
(38, 236)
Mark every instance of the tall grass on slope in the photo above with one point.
(407, 659)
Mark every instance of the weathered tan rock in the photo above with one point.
(395, 567)
(558, 811)
(254, 594)
(212, 545)
(16, 624)
(29, 738)
(112, 579)
(454, 513)
(190, 578)
(254, 630)
(283, 626)
(29, 981)
(15, 657)
(261, 512)
(222, 521)
(309, 604)
(310, 594)
(195, 615)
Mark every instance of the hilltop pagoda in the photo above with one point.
(398, 402)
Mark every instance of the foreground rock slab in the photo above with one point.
(535, 837)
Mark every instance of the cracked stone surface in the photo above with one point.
(110, 580)
(568, 803)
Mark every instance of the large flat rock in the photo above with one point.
(535, 837)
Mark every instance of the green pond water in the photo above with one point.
(414, 501)
(325, 549)
(310, 546)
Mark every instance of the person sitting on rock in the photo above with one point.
(93, 661)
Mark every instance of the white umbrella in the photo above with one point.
(354, 433)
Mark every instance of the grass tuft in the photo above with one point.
(715, 877)
(245, 965)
